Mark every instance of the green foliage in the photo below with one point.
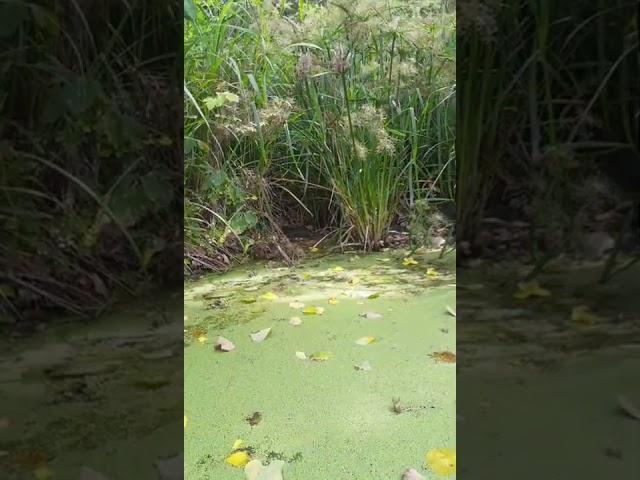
(88, 189)
(537, 80)
(347, 108)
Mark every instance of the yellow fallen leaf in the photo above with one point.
(431, 272)
(202, 338)
(314, 249)
(237, 444)
(442, 461)
(337, 269)
(269, 296)
(365, 340)
(43, 473)
(530, 289)
(238, 459)
(320, 356)
(306, 275)
(407, 262)
(185, 421)
(583, 315)
(313, 310)
(334, 301)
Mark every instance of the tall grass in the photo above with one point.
(541, 83)
(90, 177)
(346, 109)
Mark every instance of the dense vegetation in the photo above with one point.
(90, 183)
(335, 115)
(546, 88)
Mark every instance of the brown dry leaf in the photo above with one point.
(254, 419)
(30, 459)
(444, 357)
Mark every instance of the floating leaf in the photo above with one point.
(237, 444)
(628, 407)
(202, 339)
(451, 311)
(583, 315)
(238, 459)
(366, 340)
(170, 468)
(373, 296)
(254, 419)
(409, 261)
(296, 305)
(412, 474)
(269, 296)
(444, 357)
(255, 470)
(431, 272)
(530, 289)
(259, 336)
(442, 461)
(334, 301)
(301, 355)
(87, 473)
(371, 315)
(320, 356)
(337, 269)
(30, 459)
(295, 321)
(314, 249)
(364, 366)
(306, 275)
(43, 473)
(313, 310)
(224, 345)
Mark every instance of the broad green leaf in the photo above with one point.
(190, 10)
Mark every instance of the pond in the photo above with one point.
(551, 380)
(103, 395)
(355, 378)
